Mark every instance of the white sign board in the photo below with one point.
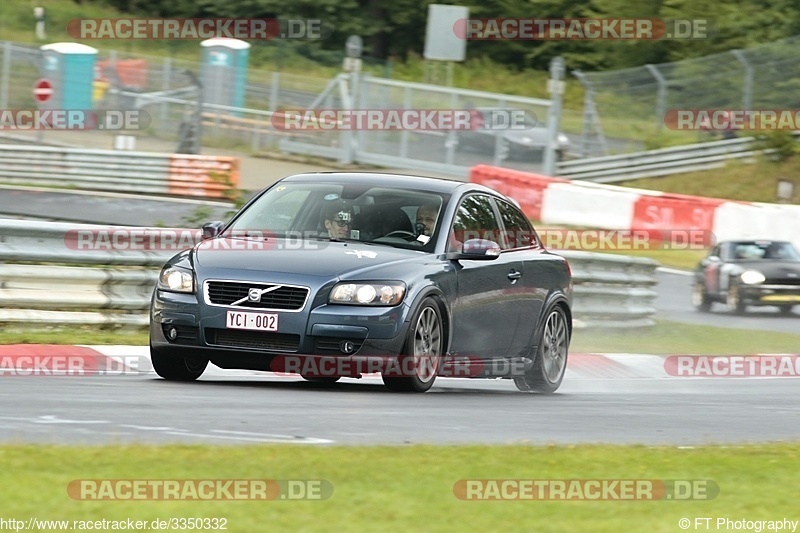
(441, 40)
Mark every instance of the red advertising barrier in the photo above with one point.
(526, 188)
(676, 212)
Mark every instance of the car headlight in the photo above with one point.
(751, 277)
(563, 139)
(176, 279)
(391, 293)
(526, 140)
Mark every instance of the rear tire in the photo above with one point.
(550, 364)
(176, 368)
(786, 310)
(421, 358)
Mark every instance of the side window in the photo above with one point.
(518, 231)
(475, 219)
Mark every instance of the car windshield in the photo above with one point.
(766, 250)
(379, 215)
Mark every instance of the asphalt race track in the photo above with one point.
(254, 409)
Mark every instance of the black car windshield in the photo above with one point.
(767, 250)
(397, 217)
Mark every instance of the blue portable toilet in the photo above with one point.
(70, 69)
(224, 74)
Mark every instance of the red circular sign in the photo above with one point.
(42, 90)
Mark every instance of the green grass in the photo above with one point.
(668, 337)
(406, 488)
(753, 182)
(680, 259)
(10, 334)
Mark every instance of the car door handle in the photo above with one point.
(514, 275)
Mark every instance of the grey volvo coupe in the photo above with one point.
(332, 275)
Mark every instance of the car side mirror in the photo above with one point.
(477, 250)
(212, 229)
(713, 258)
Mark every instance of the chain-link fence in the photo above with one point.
(625, 109)
(169, 90)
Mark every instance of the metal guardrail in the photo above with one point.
(612, 290)
(66, 282)
(111, 170)
(661, 162)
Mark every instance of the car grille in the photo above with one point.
(262, 340)
(285, 298)
(783, 281)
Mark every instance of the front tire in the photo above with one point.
(550, 364)
(700, 298)
(177, 368)
(421, 358)
(786, 310)
(734, 299)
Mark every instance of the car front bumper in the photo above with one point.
(200, 331)
(770, 294)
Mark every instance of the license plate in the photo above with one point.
(256, 321)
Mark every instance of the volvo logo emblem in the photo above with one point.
(254, 295)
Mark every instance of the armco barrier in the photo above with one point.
(110, 170)
(621, 208)
(113, 286)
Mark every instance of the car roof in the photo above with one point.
(426, 183)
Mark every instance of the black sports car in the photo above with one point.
(749, 272)
(336, 275)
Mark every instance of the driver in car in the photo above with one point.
(338, 219)
(426, 217)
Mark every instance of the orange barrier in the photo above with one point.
(203, 175)
(132, 73)
(526, 188)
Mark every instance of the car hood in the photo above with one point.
(298, 257)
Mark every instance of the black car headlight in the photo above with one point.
(390, 293)
(176, 279)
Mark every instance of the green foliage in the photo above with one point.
(781, 141)
(397, 29)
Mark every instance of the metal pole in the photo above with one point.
(662, 95)
(588, 95)
(6, 75)
(166, 71)
(747, 93)
(557, 92)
